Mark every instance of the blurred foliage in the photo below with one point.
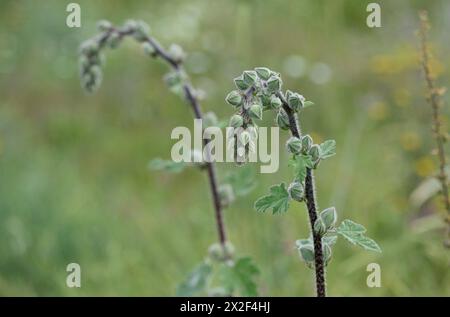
(74, 183)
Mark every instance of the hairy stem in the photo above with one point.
(191, 98)
(310, 196)
(434, 100)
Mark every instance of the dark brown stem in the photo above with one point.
(434, 100)
(189, 93)
(310, 196)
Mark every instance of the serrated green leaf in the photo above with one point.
(300, 163)
(166, 165)
(196, 281)
(239, 276)
(354, 233)
(327, 149)
(278, 200)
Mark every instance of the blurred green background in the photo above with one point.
(74, 182)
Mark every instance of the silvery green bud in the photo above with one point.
(249, 77)
(307, 253)
(218, 252)
(130, 26)
(148, 49)
(274, 84)
(104, 25)
(177, 52)
(265, 101)
(236, 121)
(114, 40)
(275, 102)
(294, 145)
(263, 72)
(141, 31)
(210, 120)
(256, 111)
(244, 137)
(314, 152)
(329, 217)
(89, 47)
(319, 226)
(307, 142)
(226, 195)
(326, 250)
(240, 83)
(296, 191)
(234, 98)
(295, 101)
(283, 119)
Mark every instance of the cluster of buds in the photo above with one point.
(91, 57)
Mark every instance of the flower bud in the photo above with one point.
(307, 142)
(177, 52)
(307, 253)
(226, 195)
(319, 227)
(314, 152)
(210, 119)
(263, 72)
(89, 47)
(273, 84)
(275, 102)
(240, 83)
(148, 49)
(256, 111)
(296, 191)
(329, 217)
(114, 40)
(283, 119)
(234, 98)
(249, 77)
(104, 25)
(295, 101)
(236, 121)
(294, 145)
(244, 137)
(219, 252)
(141, 31)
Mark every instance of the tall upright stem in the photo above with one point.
(311, 205)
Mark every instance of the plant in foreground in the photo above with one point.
(220, 273)
(260, 90)
(435, 102)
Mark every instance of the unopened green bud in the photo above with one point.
(263, 72)
(219, 252)
(226, 195)
(236, 121)
(244, 137)
(148, 49)
(307, 142)
(283, 119)
(307, 253)
(249, 77)
(240, 83)
(295, 101)
(319, 227)
(104, 25)
(177, 52)
(294, 145)
(130, 26)
(314, 152)
(256, 111)
(210, 120)
(275, 102)
(234, 98)
(114, 40)
(296, 191)
(141, 31)
(273, 84)
(329, 217)
(89, 47)
(265, 101)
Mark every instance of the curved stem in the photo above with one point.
(311, 205)
(176, 65)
